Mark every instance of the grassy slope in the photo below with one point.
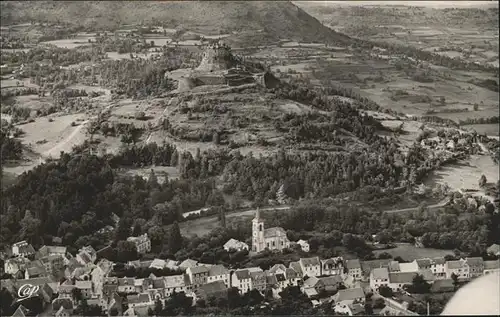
(276, 19)
(346, 16)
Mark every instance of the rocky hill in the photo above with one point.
(268, 19)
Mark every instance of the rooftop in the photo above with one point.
(198, 269)
(274, 232)
(380, 273)
(310, 261)
(350, 294)
(217, 270)
(353, 264)
(242, 274)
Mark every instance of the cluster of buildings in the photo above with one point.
(341, 282)
(62, 279)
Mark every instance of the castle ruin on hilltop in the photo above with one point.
(219, 66)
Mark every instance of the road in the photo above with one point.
(55, 151)
(204, 225)
(438, 205)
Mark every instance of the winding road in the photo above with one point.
(204, 225)
(438, 205)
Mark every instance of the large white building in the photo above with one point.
(272, 238)
(142, 243)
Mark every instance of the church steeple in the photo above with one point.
(257, 214)
(258, 239)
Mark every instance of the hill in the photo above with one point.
(349, 18)
(271, 20)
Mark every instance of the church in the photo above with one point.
(272, 238)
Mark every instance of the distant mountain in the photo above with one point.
(266, 19)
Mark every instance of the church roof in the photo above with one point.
(274, 232)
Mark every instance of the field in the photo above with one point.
(465, 174)
(410, 252)
(79, 40)
(202, 226)
(488, 129)
(49, 138)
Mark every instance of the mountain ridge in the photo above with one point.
(274, 20)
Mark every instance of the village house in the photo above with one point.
(353, 268)
(310, 266)
(233, 244)
(177, 283)
(398, 280)
(293, 277)
(379, 277)
(349, 309)
(155, 286)
(476, 266)
(198, 275)
(242, 280)
(393, 266)
(215, 290)
(53, 263)
(411, 267)
(23, 249)
(259, 280)
(110, 286)
(304, 245)
(219, 273)
(277, 268)
(140, 300)
(84, 259)
(311, 287)
(332, 266)
(438, 267)
(296, 267)
(272, 238)
(126, 285)
(330, 283)
(422, 264)
(48, 250)
(349, 296)
(188, 263)
(158, 264)
(142, 243)
(35, 269)
(66, 290)
(85, 287)
(458, 267)
(15, 266)
(97, 277)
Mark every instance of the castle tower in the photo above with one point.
(258, 240)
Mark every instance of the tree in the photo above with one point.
(174, 238)
(368, 309)
(126, 251)
(379, 303)
(454, 277)
(124, 229)
(419, 285)
(385, 291)
(482, 181)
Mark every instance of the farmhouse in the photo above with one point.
(233, 244)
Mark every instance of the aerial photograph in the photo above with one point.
(226, 158)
